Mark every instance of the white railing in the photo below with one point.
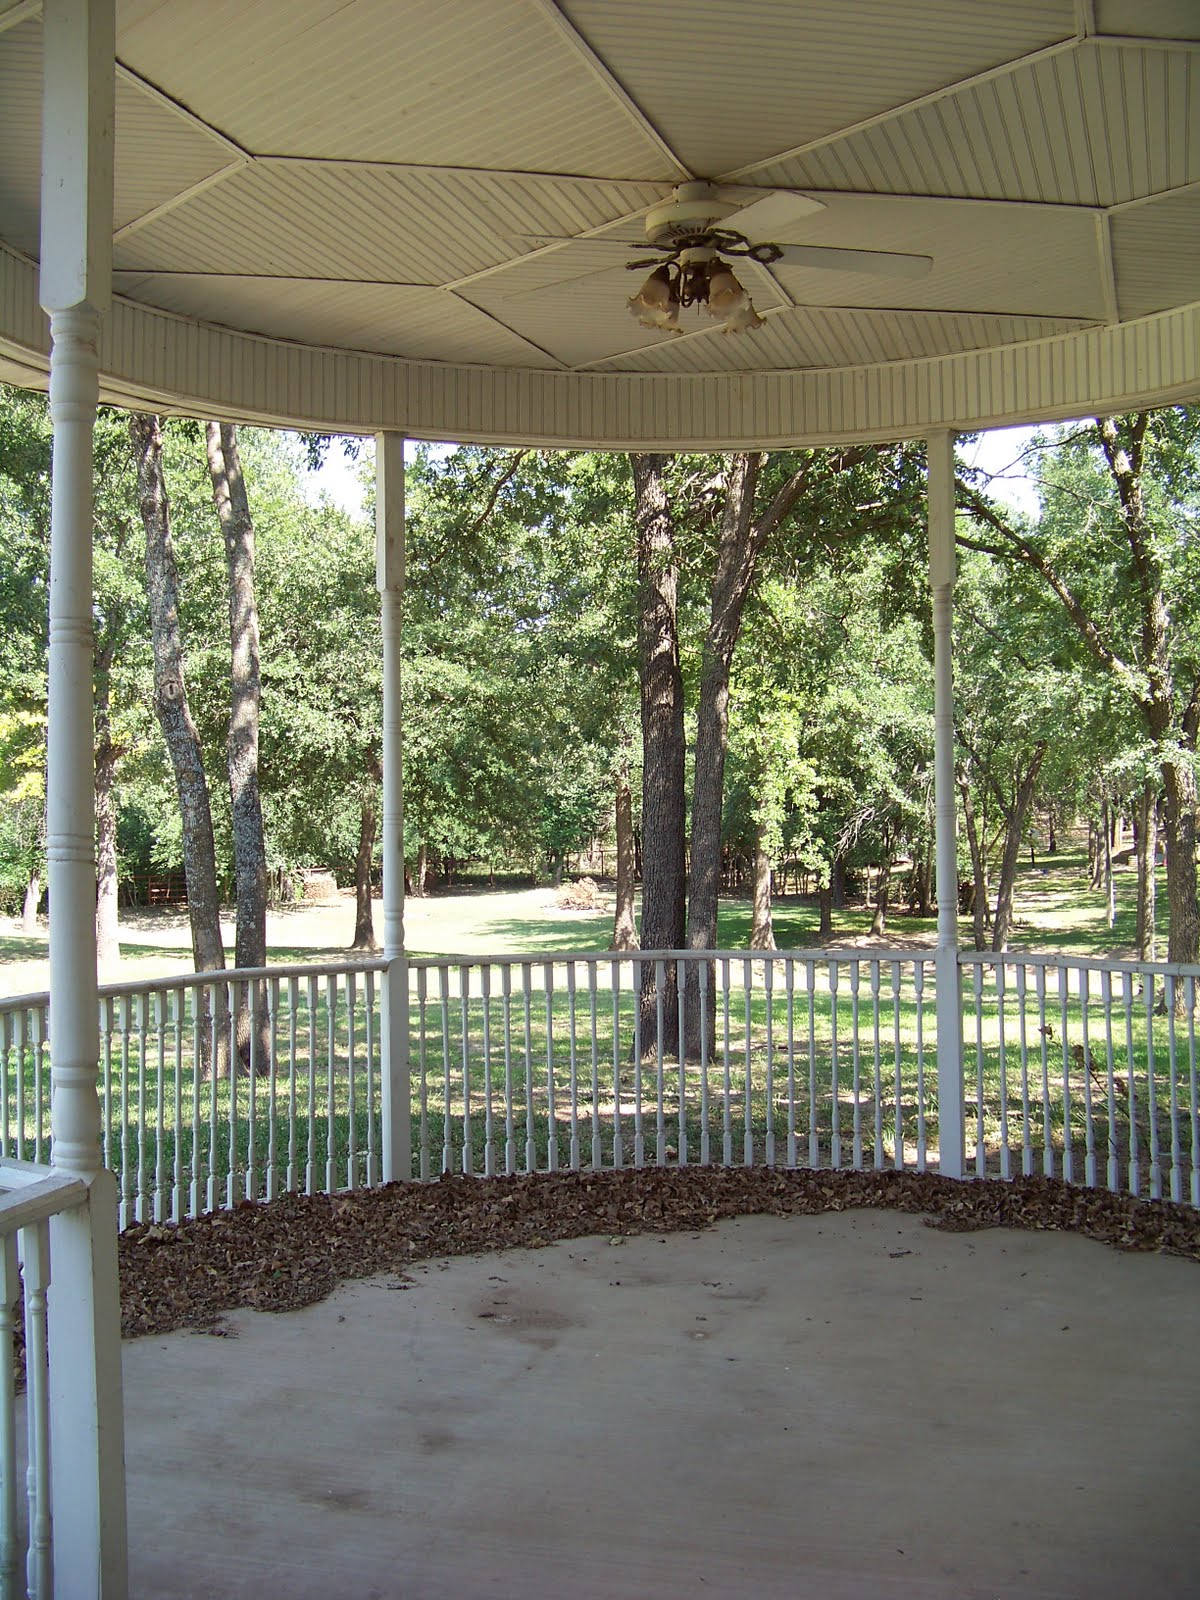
(29, 1196)
(1083, 1069)
(1078, 1068)
(814, 1058)
(184, 1134)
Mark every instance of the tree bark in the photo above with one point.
(883, 889)
(1015, 824)
(178, 729)
(762, 932)
(421, 872)
(663, 749)
(364, 924)
(1110, 893)
(1147, 853)
(108, 947)
(31, 902)
(241, 745)
(825, 901)
(624, 927)
(171, 701)
(979, 897)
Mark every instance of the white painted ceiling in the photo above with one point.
(363, 176)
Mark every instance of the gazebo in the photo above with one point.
(406, 219)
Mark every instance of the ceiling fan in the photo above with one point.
(692, 236)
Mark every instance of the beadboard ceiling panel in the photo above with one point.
(1095, 126)
(417, 323)
(1156, 254)
(429, 209)
(777, 75)
(843, 337)
(468, 84)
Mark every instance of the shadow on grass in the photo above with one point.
(22, 947)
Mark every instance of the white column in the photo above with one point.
(87, 1425)
(389, 578)
(949, 978)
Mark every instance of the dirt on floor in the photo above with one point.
(291, 1252)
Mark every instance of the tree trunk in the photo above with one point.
(421, 872)
(837, 884)
(825, 901)
(241, 745)
(108, 947)
(624, 927)
(364, 925)
(663, 749)
(1179, 831)
(1015, 825)
(1147, 853)
(171, 700)
(175, 719)
(762, 933)
(1110, 892)
(29, 907)
(883, 888)
(979, 896)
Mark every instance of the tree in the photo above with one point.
(1115, 548)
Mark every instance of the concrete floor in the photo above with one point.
(832, 1406)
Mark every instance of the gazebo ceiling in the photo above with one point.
(332, 214)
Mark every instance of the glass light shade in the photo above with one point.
(744, 319)
(725, 293)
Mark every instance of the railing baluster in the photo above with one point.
(1044, 1029)
(527, 999)
(195, 1190)
(572, 1021)
(1152, 1096)
(1023, 1031)
(10, 1292)
(681, 1151)
(106, 1027)
(1089, 1156)
(789, 978)
(447, 1113)
(126, 1212)
(310, 1157)
(856, 1064)
(704, 976)
(331, 1011)
(898, 1156)
(1068, 1168)
(179, 1011)
(876, 979)
(618, 1141)
(748, 1130)
(1111, 1164)
(1134, 1170)
(272, 1088)
(769, 994)
(660, 1138)
(980, 1132)
(551, 1119)
(835, 1125)
(293, 1010)
(255, 1065)
(1173, 1095)
(40, 1111)
(597, 1147)
(919, 991)
(1001, 995)
(351, 1082)
(372, 1171)
(510, 1139)
(140, 1192)
(35, 1263)
(464, 997)
(727, 1112)
(489, 1140)
(1193, 1098)
(423, 1070)
(160, 1177)
(814, 1130)
(639, 1139)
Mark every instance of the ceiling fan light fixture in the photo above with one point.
(656, 304)
(744, 319)
(725, 294)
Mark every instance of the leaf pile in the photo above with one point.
(291, 1252)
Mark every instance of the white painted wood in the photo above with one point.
(919, 995)
(551, 1119)
(1001, 978)
(855, 981)
(10, 1289)
(527, 1018)
(489, 1132)
(1068, 1159)
(34, 1246)
(618, 1136)
(768, 994)
(395, 1083)
(835, 1130)
(1089, 1160)
(464, 996)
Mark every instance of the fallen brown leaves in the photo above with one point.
(292, 1251)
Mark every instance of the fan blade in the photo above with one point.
(883, 263)
(625, 246)
(772, 213)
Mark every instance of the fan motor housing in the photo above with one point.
(691, 210)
